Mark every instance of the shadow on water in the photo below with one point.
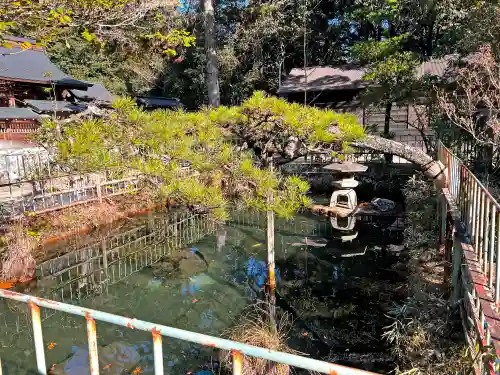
(195, 276)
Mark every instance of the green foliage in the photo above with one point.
(370, 51)
(132, 27)
(158, 144)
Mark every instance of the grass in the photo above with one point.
(17, 263)
(256, 327)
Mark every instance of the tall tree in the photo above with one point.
(210, 50)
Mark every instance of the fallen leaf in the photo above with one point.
(51, 345)
(107, 366)
(194, 300)
(257, 245)
(137, 371)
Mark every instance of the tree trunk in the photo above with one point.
(433, 169)
(387, 127)
(212, 68)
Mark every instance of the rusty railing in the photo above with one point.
(469, 218)
(157, 331)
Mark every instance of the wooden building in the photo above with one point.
(29, 80)
(341, 89)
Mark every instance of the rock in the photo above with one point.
(395, 248)
(399, 266)
(427, 256)
(383, 204)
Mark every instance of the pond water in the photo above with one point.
(335, 284)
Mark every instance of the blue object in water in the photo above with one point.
(257, 269)
(171, 363)
(194, 250)
(203, 372)
(261, 280)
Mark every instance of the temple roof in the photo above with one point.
(11, 113)
(48, 106)
(32, 65)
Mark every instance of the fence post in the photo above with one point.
(158, 352)
(237, 362)
(98, 187)
(38, 338)
(92, 340)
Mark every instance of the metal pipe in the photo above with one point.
(467, 202)
(492, 245)
(92, 339)
(474, 211)
(158, 352)
(497, 276)
(37, 337)
(237, 363)
(486, 223)
(479, 231)
(211, 341)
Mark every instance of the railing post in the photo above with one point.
(480, 229)
(492, 244)
(99, 188)
(237, 362)
(486, 233)
(497, 275)
(158, 352)
(38, 338)
(474, 217)
(92, 339)
(448, 248)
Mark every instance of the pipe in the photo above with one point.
(206, 340)
(37, 337)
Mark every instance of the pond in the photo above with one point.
(200, 276)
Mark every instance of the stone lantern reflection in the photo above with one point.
(344, 196)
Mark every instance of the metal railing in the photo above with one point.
(480, 213)
(238, 350)
(470, 234)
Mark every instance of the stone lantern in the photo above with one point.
(344, 172)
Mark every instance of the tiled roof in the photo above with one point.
(32, 65)
(351, 77)
(158, 102)
(97, 93)
(324, 78)
(438, 67)
(12, 113)
(48, 106)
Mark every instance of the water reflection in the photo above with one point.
(187, 272)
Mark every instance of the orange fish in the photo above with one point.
(6, 285)
(194, 300)
(53, 367)
(107, 366)
(137, 371)
(51, 345)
